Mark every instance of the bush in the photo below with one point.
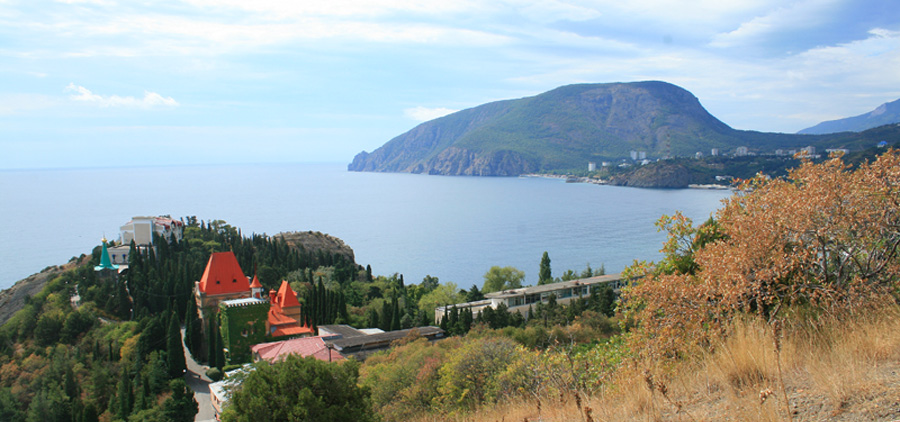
(300, 389)
(214, 374)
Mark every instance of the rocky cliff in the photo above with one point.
(658, 175)
(313, 241)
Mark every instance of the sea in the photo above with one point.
(451, 227)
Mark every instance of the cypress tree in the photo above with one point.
(124, 397)
(385, 317)
(395, 315)
(545, 276)
(443, 323)
(220, 353)
(211, 345)
(174, 348)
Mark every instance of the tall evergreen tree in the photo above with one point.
(124, 397)
(211, 345)
(174, 348)
(545, 276)
(220, 352)
(395, 315)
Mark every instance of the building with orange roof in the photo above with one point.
(244, 315)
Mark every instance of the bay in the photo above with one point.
(454, 228)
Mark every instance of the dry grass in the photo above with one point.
(843, 369)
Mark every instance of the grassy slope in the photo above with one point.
(841, 370)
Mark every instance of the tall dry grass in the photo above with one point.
(825, 364)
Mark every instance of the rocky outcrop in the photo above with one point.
(313, 241)
(13, 298)
(462, 162)
(659, 175)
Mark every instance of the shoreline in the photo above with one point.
(590, 180)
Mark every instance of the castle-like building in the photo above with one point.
(240, 310)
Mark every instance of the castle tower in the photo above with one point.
(256, 289)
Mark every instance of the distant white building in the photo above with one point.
(642, 155)
(779, 152)
(699, 154)
(519, 300)
(741, 151)
(634, 155)
(141, 230)
(592, 166)
(810, 150)
(714, 152)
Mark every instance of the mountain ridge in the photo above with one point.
(884, 114)
(567, 127)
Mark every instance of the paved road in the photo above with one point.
(197, 380)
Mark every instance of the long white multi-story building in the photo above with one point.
(519, 300)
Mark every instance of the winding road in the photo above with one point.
(195, 377)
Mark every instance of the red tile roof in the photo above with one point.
(255, 283)
(286, 298)
(223, 275)
(291, 330)
(277, 316)
(306, 346)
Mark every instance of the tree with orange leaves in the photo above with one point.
(825, 237)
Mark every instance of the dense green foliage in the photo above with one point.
(300, 389)
(502, 278)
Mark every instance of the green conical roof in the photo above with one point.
(105, 262)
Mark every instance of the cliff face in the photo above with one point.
(312, 241)
(13, 298)
(656, 176)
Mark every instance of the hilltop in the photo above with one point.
(565, 128)
(884, 114)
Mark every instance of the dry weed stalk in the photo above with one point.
(664, 390)
(777, 331)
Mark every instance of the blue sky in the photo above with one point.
(87, 83)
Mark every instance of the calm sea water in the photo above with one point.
(454, 228)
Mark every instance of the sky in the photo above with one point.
(100, 83)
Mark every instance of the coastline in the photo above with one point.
(593, 181)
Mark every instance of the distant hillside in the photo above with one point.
(886, 113)
(566, 128)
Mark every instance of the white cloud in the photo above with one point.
(151, 99)
(424, 114)
(801, 15)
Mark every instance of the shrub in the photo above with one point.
(214, 374)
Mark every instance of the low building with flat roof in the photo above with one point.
(519, 300)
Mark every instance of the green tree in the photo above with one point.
(502, 278)
(174, 348)
(545, 276)
(300, 389)
(181, 406)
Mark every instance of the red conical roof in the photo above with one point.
(286, 298)
(223, 275)
(255, 284)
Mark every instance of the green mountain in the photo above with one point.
(885, 114)
(564, 129)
